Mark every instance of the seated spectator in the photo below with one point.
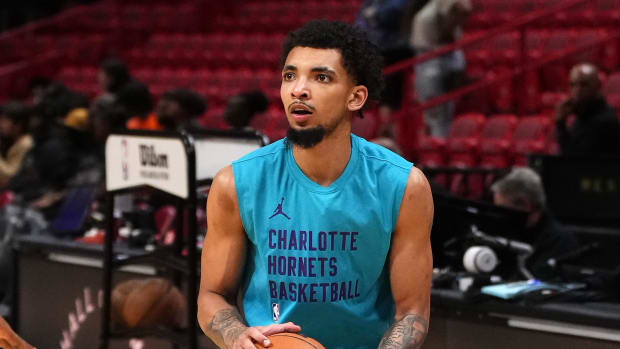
(136, 100)
(113, 76)
(37, 87)
(595, 130)
(522, 189)
(242, 108)
(56, 155)
(56, 102)
(178, 109)
(15, 141)
(105, 116)
(78, 118)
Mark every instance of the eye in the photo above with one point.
(288, 76)
(323, 78)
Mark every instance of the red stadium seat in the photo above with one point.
(432, 152)
(614, 101)
(501, 93)
(505, 48)
(470, 185)
(554, 75)
(534, 43)
(463, 140)
(530, 136)
(277, 124)
(606, 13)
(550, 100)
(612, 84)
(584, 37)
(528, 95)
(213, 119)
(464, 132)
(365, 127)
(497, 133)
(496, 141)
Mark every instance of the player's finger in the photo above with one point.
(278, 328)
(258, 336)
(4, 344)
(246, 343)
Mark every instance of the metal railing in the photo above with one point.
(519, 24)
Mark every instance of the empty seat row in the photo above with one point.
(505, 48)
(317, 9)
(500, 141)
(596, 13)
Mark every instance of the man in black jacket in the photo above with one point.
(595, 130)
(522, 189)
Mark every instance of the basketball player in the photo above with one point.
(321, 232)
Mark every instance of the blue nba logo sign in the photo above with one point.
(275, 310)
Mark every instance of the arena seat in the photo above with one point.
(464, 132)
(496, 134)
(496, 141)
(584, 37)
(365, 127)
(550, 99)
(528, 95)
(530, 136)
(277, 124)
(614, 101)
(612, 84)
(607, 13)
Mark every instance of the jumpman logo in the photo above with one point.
(278, 211)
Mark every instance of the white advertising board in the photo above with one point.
(160, 162)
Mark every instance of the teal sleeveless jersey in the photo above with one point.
(317, 255)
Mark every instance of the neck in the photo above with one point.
(326, 161)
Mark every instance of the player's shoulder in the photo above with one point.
(377, 154)
(263, 153)
(417, 182)
(224, 179)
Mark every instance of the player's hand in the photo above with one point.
(564, 109)
(259, 334)
(16, 344)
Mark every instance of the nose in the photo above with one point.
(300, 90)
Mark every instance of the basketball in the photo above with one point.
(291, 341)
(148, 303)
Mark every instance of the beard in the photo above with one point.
(309, 137)
(306, 138)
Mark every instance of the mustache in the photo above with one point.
(301, 102)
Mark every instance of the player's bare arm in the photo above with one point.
(410, 266)
(223, 258)
(223, 261)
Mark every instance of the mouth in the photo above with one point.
(300, 112)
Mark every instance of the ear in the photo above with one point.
(357, 98)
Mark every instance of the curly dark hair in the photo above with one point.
(117, 72)
(191, 102)
(361, 58)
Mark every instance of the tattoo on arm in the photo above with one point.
(409, 332)
(227, 325)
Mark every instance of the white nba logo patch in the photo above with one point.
(275, 311)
